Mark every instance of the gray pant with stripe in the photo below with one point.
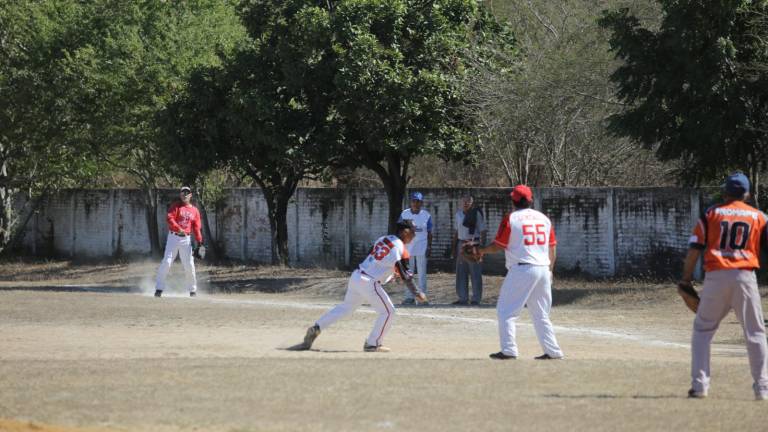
(725, 290)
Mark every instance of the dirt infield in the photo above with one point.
(89, 347)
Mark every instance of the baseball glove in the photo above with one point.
(690, 296)
(199, 252)
(470, 251)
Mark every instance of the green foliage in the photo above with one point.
(694, 87)
(398, 85)
(81, 84)
(322, 85)
(140, 55)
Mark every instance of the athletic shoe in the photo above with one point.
(193, 294)
(158, 293)
(408, 301)
(501, 356)
(761, 393)
(312, 334)
(693, 394)
(546, 356)
(474, 303)
(460, 303)
(375, 348)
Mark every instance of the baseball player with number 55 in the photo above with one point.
(387, 258)
(528, 240)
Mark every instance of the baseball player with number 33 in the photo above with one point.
(387, 258)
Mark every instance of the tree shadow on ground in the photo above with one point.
(262, 285)
(611, 396)
(563, 296)
(74, 288)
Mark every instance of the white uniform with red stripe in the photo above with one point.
(526, 236)
(365, 287)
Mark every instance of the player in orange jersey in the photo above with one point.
(729, 236)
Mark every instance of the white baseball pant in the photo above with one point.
(531, 285)
(183, 247)
(724, 290)
(418, 264)
(363, 289)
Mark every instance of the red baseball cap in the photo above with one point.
(520, 192)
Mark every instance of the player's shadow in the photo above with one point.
(433, 305)
(300, 348)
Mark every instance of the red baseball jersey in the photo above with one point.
(730, 236)
(186, 218)
(526, 236)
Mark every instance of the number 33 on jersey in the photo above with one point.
(730, 236)
(386, 252)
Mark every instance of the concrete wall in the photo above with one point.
(601, 231)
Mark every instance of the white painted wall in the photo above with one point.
(601, 231)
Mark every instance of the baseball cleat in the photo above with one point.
(460, 303)
(546, 356)
(501, 356)
(693, 394)
(312, 334)
(761, 392)
(158, 293)
(193, 294)
(375, 348)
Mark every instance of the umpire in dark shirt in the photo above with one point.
(469, 226)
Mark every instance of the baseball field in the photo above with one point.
(87, 348)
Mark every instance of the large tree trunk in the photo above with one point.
(6, 201)
(150, 202)
(213, 253)
(7, 218)
(278, 221)
(18, 229)
(278, 193)
(395, 180)
(277, 207)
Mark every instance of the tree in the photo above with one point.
(544, 124)
(264, 113)
(693, 87)
(324, 85)
(399, 86)
(81, 84)
(133, 59)
(37, 154)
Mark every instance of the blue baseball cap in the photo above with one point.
(736, 184)
(417, 196)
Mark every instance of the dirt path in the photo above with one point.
(89, 347)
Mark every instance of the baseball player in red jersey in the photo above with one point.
(729, 236)
(528, 240)
(387, 258)
(183, 222)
